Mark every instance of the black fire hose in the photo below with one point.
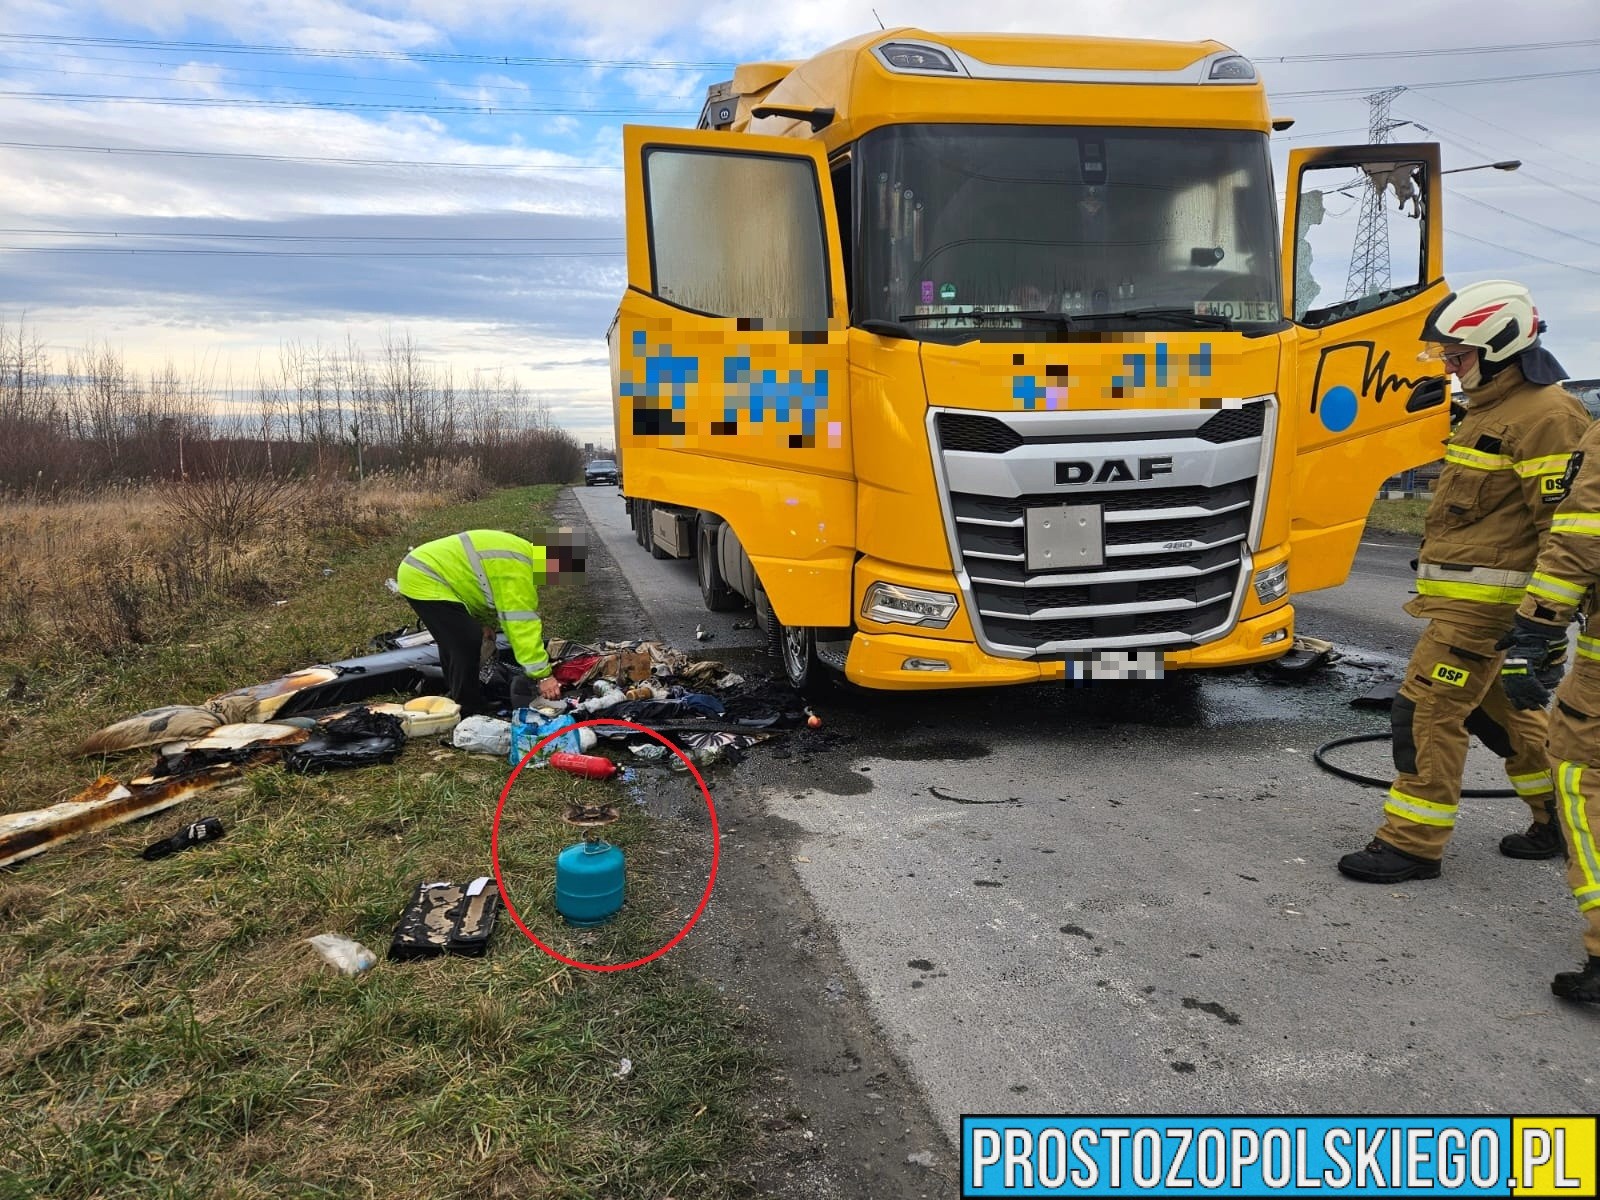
(1370, 781)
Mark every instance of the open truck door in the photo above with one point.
(730, 348)
(1364, 263)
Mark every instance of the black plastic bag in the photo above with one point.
(361, 738)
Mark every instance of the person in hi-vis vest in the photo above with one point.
(486, 579)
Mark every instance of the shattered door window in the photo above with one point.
(1360, 239)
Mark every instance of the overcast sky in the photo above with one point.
(535, 288)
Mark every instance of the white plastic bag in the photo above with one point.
(350, 958)
(483, 735)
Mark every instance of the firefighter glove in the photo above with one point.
(1535, 659)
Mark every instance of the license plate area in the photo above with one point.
(1116, 664)
(1066, 537)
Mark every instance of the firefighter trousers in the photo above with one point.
(1574, 758)
(1452, 693)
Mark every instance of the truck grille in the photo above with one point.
(1175, 546)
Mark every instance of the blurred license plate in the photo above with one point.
(1116, 664)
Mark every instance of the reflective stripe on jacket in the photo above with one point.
(1495, 498)
(1565, 578)
(495, 576)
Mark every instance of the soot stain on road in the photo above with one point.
(934, 791)
(1212, 1007)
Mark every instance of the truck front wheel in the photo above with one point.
(795, 648)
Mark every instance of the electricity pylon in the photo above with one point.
(1369, 260)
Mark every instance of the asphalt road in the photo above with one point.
(1123, 899)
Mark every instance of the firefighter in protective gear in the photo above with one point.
(469, 583)
(1563, 587)
(1491, 509)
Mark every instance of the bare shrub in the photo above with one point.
(452, 479)
(183, 571)
(127, 600)
(226, 507)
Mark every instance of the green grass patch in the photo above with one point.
(165, 1031)
(1398, 516)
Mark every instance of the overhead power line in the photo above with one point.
(1522, 253)
(506, 60)
(252, 69)
(340, 160)
(1440, 83)
(496, 110)
(479, 110)
(1520, 219)
(466, 86)
(1430, 52)
(1520, 135)
(679, 65)
(1321, 133)
(1525, 170)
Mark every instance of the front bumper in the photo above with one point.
(877, 660)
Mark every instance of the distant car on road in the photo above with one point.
(601, 470)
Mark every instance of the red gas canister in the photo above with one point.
(590, 766)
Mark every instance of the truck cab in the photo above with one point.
(974, 360)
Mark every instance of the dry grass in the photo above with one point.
(130, 564)
(1398, 516)
(165, 1031)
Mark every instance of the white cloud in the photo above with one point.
(553, 312)
(73, 185)
(326, 24)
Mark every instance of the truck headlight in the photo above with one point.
(891, 604)
(1233, 68)
(1272, 583)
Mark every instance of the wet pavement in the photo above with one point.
(1123, 898)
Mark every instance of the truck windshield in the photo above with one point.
(1111, 228)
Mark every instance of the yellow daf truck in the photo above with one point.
(972, 360)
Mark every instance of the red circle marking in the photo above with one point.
(494, 849)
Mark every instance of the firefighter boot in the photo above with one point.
(1382, 863)
(1582, 986)
(1542, 840)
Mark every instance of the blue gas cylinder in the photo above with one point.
(589, 882)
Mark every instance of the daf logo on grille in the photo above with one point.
(1112, 470)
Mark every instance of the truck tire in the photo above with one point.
(795, 648)
(714, 589)
(641, 522)
(650, 536)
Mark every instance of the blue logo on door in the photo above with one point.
(1337, 408)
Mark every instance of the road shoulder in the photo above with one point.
(834, 1113)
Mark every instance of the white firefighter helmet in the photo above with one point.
(1496, 318)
